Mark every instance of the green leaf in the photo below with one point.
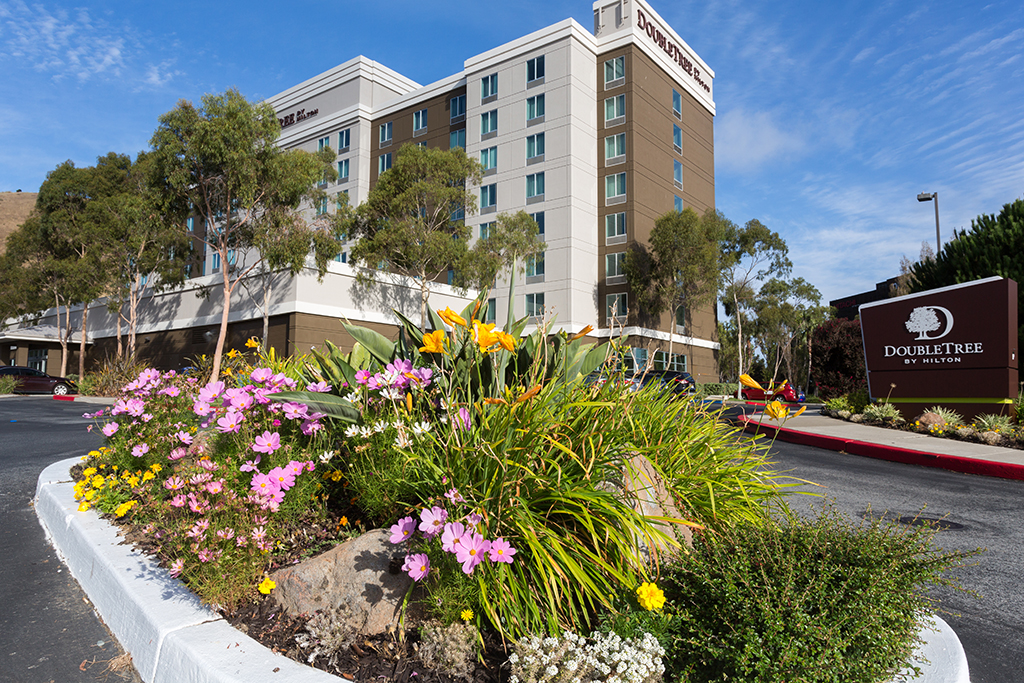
(379, 346)
(332, 406)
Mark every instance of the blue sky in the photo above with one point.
(831, 117)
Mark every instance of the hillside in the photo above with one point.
(14, 209)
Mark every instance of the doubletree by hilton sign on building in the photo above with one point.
(955, 346)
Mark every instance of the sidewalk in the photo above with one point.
(814, 429)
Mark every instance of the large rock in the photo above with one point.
(928, 419)
(360, 581)
(653, 500)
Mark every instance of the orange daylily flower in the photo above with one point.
(582, 333)
(496, 401)
(451, 317)
(748, 381)
(506, 340)
(484, 336)
(529, 394)
(433, 342)
(776, 410)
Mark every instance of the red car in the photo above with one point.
(781, 391)
(30, 381)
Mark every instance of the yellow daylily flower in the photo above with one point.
(776, 410)
(802, 409)
(433, 342)
(451, 317)
(232, 353)
(252, 343)
(506, 340)
(483, 335)
(748, 381)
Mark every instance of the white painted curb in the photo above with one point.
(173, 638)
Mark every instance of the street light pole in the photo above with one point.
(933, 196)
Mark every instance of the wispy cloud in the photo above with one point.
(746, 141)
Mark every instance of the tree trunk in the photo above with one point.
(222, 336)
(671, 333)
(117, 323)
(424, 293)
(267, 293)
(133, 316)
(62, 335)
(81, 342)
(809, 361)
(739, 346)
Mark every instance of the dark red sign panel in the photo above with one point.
(953, 342)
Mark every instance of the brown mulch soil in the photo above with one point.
(1008, 440)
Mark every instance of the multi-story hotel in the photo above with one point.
(595, 135)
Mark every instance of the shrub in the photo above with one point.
(858, 400)
(882, 412)
(808, 600)
(114, 374)
(601, 658)
(716, 389)
(838, 403)
(6, 385)
(838, 358)
(949, 416)
(452, 649)
(993, 423)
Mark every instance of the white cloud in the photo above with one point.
(746, 141)
(160, 74)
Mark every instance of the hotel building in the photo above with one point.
(595, 134)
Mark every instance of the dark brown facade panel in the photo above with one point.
(436, 134)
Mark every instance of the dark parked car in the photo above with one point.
(679, 383)
(30, 381)
(780, 391)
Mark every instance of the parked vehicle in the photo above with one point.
(31, 381)
(679, 383)
(777, 391)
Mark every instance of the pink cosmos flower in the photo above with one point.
(209, 465)
(201, 408)
(320, 387)
(174, 483)
(146, 417)
(149, 375)
(197, 505)
(471, 551)
(211, 392)
(140, 450)
(215, 486)
(453, 531)
(242, 541)
(260, 396)
(135, 407)
(178, 501)
(262, 484)
(177, 453)
(267, 443)
(282, 478)
(501, 551)
(200, 478)
(295, 468)
(473, 518)
(454, 496)
(311, 427)
(363, 376)
(275, 499)
(170, 391)
(184, 437)
(417, 565)
(231, 422)
(295, 411)
(432, 521)
(250, 465)
(462, 422)
(206, 555)
(402, 531)
(259, 533)
(227, 534)
(110, 428)
(242, 401)
(261, 375)
(177, 567)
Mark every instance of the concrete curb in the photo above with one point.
(169, 634)
(955, 463)
(172, 637)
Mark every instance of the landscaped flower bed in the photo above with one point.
(502, 476)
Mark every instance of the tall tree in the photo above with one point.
(511, 239)
(786, 311)
(220, 163)
(411, 222)
(683, 270)
(750, 255)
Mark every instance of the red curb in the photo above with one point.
(955, 463)
(63, 398)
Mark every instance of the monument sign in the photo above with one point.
(953, 346)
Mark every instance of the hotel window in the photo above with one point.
(615, 267)
(488, 87)
(485, 230)
(534, 69)
(489, 158)
(321, 207)
(457, 138)
(491, 314)
(323, 142)
(343, 171)
(534, 146)
(677, 363)
(677, 173)
(535, 268)
(616, 306)
(344, 140)
(615, 228)
(385, 133)
(614, 72)
(615, 148)
(488, 196)
(459, 214)
(615, 188)
(342, 257)
(190, 223)
(614, 109)
(678, 203)
(419, 121)
(457, 105)
(383, 163)
(534, 186)
(215, 263)
(677, 104)
(489, 123)
(340, 202)
(535, 305)
(534, 108)
(677, 138)
(538, 218)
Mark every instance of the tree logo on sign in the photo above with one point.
(924, 319)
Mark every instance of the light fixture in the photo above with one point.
(928, 197)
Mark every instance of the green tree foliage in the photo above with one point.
(993, 246)
(220, 162)
(409, 222)
(682, 270)
(749, 255)
(838, 353)
(787, 311)
(511, 238)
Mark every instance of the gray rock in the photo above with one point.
(929, 419)
(966, 432)
(991, 438)
(844, 414)
(857, 418)
(651, 498)
(360, 581)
